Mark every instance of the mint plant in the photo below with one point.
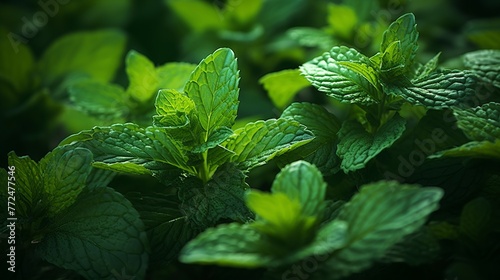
(67, 216)
(191, 146)
(291, 224)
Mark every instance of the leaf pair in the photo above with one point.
(75, 221)
(287, 228)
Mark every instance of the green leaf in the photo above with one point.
(228, 245)
(261, 141)
(172, 108)
(437, 91)
(399, 45)
(218, 136)
(98, 236)
(142, 76)
(282, 86)
(222, 197)
(244, 11)
(199, 15)
(16, 64)
(213, 87)
(342, 20)
(102, 100)
(425, 70)
(95, 53)
(321, 151)
(378, 217)
(174, 75)
(328, 75)
(166, 225)
(476, 149)
(29, 186)
(476, 220)
(131, 144)
(357, 146)
(311, 37)
(480, 123)
(415, 249)
(485, 64)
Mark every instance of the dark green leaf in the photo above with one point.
(328, 75)
(485, 64)
(357, 146)
(98, 236)
(415, 249)
(477, 149)
(259, 142)
(217, 137)
(480, 123)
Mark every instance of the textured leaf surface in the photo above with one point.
(485, 64)
(399, 44)
(172, 108)
(213, 87)
(98, 99)
(96, 53)
(99, 236)
(282, 86)
(228, 245)
(321, 151)
(378, 217)
(129, 143)
(439, 90)
(220, 198)
(339, 81)
(259, 142)
(480, 123)
(65, 175)
(357, 146)
(143, 80)
(218, 136)
(478, 149)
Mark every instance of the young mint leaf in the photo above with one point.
(480, 123)
(282, 86)
(98, 99)
(65, 172)
(378, 217)
(166, 225)
(172, 108)
(425, 70)
(485, 64)
(213, 87)
(437, 91)
(217, 137)
(222, 197)
(321, 151)
(399, 45)
(261, 141)
(95, 53)
(477, 149)
(132, 145)
(328, 75)
(357, 146)
(174, 75)
(229, 245)
(142, 77)
(100, 233)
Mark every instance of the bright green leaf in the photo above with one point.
(477, 149)
(142, 76)
(439, 90)
(65, 172)
(328, 75)
(172, 108)
(174, 75)
(199, 15)
(282, 86)
(357, 146)
(480, 123)
(99, 236)
(342, 20)
(259, 142)
(98, 99)
(399, 44)
(243, 11)
(213, 87)
(95, 53)
(378, 217)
